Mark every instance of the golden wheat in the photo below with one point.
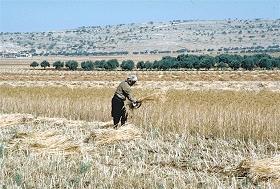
(223, 114)
(260, 170)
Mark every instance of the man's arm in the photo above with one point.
(127, 92)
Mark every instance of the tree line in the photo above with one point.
(183, 61)
(88, 65)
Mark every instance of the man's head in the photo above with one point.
(131, 80)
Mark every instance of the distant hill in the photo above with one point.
(178, 36)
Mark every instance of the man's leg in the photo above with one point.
(116, 121)
(124, 116)
(117, 105)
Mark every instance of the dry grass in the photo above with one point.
(14, 73)
(186, 80)
(255, 86)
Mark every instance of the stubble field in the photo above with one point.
(195, 134)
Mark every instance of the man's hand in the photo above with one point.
(136, 104)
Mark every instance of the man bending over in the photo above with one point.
(122, 93)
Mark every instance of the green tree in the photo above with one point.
(87, 65)
(34, 64)
(225, 58)
(58, 65)
(111, 64)
(168, 62)
(140, 65)
(186, 61)
(127, 65)
(155, 65)
(258, 57)
(275, 62)
(265, 63)
(100, 64)
(193, 62)
(181, 58)
(235, 64)
(196, 62)
(148, 65)
(234, 61)
(248, 63)
(207, 62)
(71, 64)
(45, 64)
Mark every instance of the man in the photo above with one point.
(123, 91)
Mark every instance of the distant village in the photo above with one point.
(21, 54)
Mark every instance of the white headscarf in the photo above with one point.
(132, 78)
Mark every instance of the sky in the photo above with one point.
(55, 15)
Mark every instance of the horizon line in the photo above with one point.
(145, 22)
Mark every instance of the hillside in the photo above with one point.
(178, 36)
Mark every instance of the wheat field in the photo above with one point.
(55, 136)
(223, 114)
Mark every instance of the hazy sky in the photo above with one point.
(49, 15)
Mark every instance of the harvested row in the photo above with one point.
(255, 86)
(54, 141)
(55, 146)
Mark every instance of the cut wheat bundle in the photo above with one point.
(13, 119)
(267, 169)
(110, 136)
(50, 142)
